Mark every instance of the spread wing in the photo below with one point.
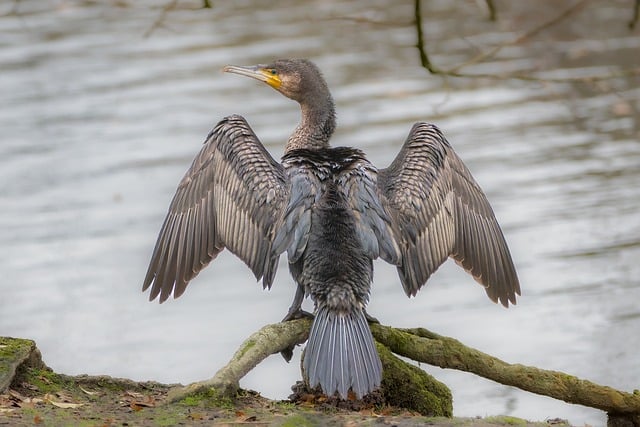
(231, 196)
(440, 212)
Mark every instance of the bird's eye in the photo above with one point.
(273, 71)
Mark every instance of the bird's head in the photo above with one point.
(297, 79)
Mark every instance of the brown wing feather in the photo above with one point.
(440, 212)
(230, 197)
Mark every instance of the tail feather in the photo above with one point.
(341, 354)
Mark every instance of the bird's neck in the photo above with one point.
(316, 126)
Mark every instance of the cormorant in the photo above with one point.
(334, 213)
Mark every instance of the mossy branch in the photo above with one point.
(423, 346)
(271, 339)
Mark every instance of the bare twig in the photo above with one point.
(159, 22)
(455, 71)
(424, 58)
(528, 34)
(493, 12)
(636, 12)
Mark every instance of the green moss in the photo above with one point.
(209, 397)
(12, 349)
(407, 386)
(506, 420)
(11, 346)
(163, 418)
(298, 421)
(246, 347)
(46, 380)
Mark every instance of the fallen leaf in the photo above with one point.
(146, 404)
(37, 420)
(90, 393)
(28, 386)
(134, 394)
(195, 416)
(17, 395)
(63, 405)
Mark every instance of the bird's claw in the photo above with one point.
(297, 314)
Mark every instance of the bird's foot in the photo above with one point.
(297, 314)
(293, 314)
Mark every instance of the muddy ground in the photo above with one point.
(42, 397)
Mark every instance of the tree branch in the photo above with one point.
(160, 20)
(271, 339)
(424, 346)
(455, 71)
(634, 17)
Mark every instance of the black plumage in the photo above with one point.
(333, 213)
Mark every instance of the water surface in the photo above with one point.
(100, 122)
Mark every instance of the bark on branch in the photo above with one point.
(424, 346)
(271, 339)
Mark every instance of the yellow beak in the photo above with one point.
(258, 72)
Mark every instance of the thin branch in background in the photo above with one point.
(493, 12)
(424, 58)
(206, 4)
(528, 34)
(455, 71)
(159, 22)
(636, 12)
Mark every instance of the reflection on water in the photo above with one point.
(99, 124)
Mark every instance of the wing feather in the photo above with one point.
(231, 196)
(440, 212)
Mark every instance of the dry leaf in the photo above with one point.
(16, 395)
(134, 394)
(145, 404)
(195, 416)
(90, 393)
(63, 405)
(28, 386)
(37, 420)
